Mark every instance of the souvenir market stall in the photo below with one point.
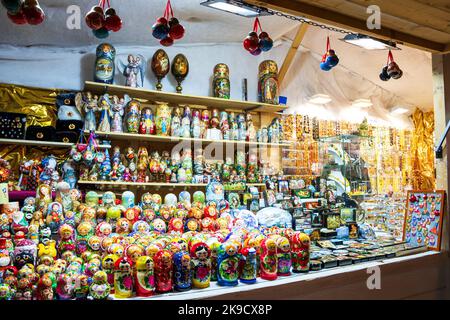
(171, 170)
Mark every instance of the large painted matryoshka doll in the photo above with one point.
(283, 256)
(228, 264)
(163, 120)
(163, 271)
(201, 265)
(132, 116)
(268, 87)
(182, 274)
(123, 278)
(104, 63)
(144, 277)
(247, 266)
(221, 81)
(300, 252)
(268, 259)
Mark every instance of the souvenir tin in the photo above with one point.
(201, 265)
(100, 288)
(123, 278)
(268, 87)
(145, 278)
(160, 66)
(182, 271)
(163, 271)
(228, 264)
(269, 261)
(163, 120)
(248, 265)
(104, 63)
(221, 81)
(180, 70)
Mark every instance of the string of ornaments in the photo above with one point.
(254, 43)
(24, 11)
(102, 21)
(329, 59)
(391, 69)
(167, 28)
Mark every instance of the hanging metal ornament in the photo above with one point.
(254, 43)
(24, 11)
(329, 59)
(167, 28)
(102, 21)
(391, 69)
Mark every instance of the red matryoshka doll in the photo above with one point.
(108, 263)
(123, 278)
(208, 224)
(201, 265)
(283, 256)
(24, 290)
(163, 271)
(300, 252)
(211, 211)
(176, 224)
(44, 288)
(268, 259)
(144, 277)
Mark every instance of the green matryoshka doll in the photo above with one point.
(268, 86)
(221, 81)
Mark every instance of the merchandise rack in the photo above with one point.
(44, 143)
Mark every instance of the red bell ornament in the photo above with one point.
(95, 18)
(167, 28)
(18, 18)
(251, 42)
(33, 12)
(166, 42)
(12, 6)
(112, 20)
(256, 44)
(176, 31)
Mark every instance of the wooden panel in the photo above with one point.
(292, 52)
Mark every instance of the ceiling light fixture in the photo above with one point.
(362, 103)
(236, 7)
(369, 43)
(399, 110)
(320, 99)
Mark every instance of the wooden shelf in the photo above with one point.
(44, 143)
(181, 99)
(170, 139)
(154, 184)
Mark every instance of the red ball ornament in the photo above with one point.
(251, 42)
(263, 35)
(95, 18)
(33, 12)
(113, 23)
(176, 31)
(18, 18)
(161, 20)
(166, 42)
(256, 52)
(437, 213)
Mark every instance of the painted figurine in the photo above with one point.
(163, 271)
(132, 117)
(123, 278)
(100, 288)
(268, 259)
(147, 124)
(283, 256)
(268, 87)
(221, 81)
(134, 71)
(201, 265)
(228, 264)
(182, 272)
(144, 277)
(196, 124)
(248, 266)
(90, 107)
(104, 63)
(105, 107)
(118, 111)
(163, 120)
(300, 252)
(175, 126)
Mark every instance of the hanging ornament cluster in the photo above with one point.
(24, 12)
(102, 21)
(391, 69)
(329, 59)
(256, 44)
(167, 28)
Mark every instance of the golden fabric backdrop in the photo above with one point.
(422, 151)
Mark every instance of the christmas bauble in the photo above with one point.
(332, 58)
(384, 75)
(12, 6)
(176, 31)
(160, 30)
(101, 33)
(33, 13)
(18, 18)
(95, 19)
(251, 42)
(113, 23)
(266, 44)
(263, 35)
(256, 52)
(325, 66)
(393, 70)
(166, 42)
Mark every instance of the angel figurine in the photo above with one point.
(105, 106)
(134, 71)
(118, 107)
(90, 107)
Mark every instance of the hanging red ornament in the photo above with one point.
(95, 18)
(329, 59)
(12, 6)
(112, 20)
(391, 69)
(256, 44)
(17, 18)
(167, 28)
(102, 19)
(33, 12)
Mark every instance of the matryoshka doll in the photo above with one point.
(123, 278)
(204, 123)
(214, 132)
(300, 252)
(147, 123)
(182, 272)
(132, 116)
(44, 288)
(104, 63)
(228, 264)
(108, 263)
(54, 217)
(234, 132)
(144, 277)
(100, 288)
(175, 126)
(196, 125)
(201, 265)
(248, 266)
(163, 120)
(163, 271)
(224, 126)
(283, 256)
(221, 81)
(185, 131)
(268, 259)
(268, 87)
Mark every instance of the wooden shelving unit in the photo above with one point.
(181, 99)
(153, 184)
(170, 139)
(43, 143)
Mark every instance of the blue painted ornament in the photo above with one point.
(12, 6)
(266, 44)
(101, 33)
(332, 58)
(325, 66)
(160, 29)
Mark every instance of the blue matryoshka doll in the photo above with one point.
(182, 271)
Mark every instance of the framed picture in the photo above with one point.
(423, 218)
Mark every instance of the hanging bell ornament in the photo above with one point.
(251, 42)
(101, 33)
(112, 20)
(256, 52)
(384, 76)
(95, 18)
(33, 12)
(394, 71)
(166, 42)
(325, 66)
(176, 31)
(160, 28)
(17, 18)
(332, 59)
(12, 6)
(265, 42)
